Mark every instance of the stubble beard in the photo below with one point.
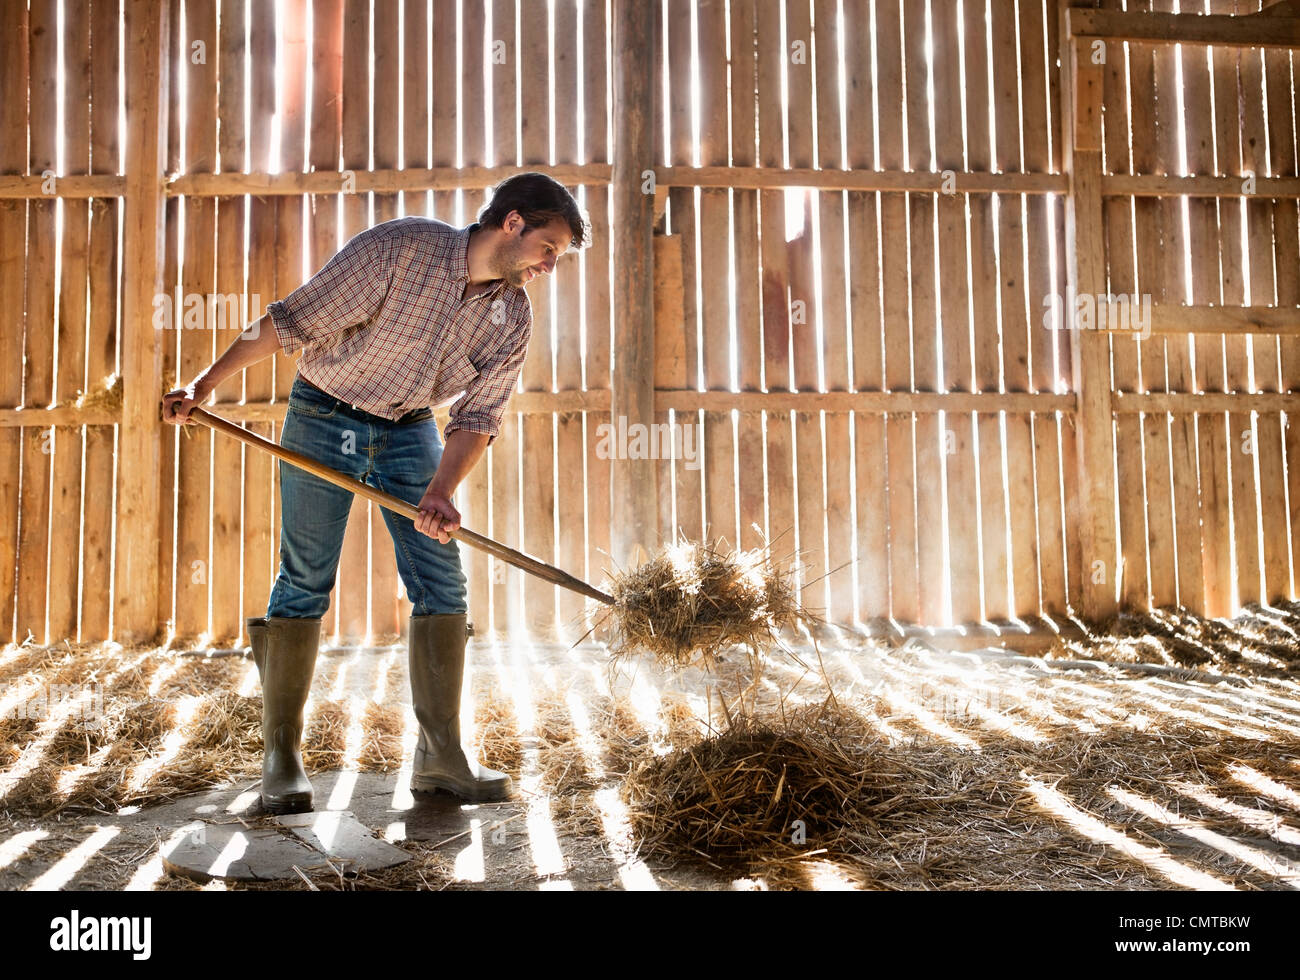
(507, 264)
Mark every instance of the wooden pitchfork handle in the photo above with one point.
(528, 563)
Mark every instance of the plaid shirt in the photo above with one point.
(383, 327)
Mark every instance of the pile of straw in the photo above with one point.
(753, 787)
(926, 814)
(689, 602)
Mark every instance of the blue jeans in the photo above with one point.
(399, 458)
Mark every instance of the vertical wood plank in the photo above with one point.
(38, 347)
(1280, 94)
(926, 340)
(1265, 351)
(353, 592)
(1211, 428)
(503, 455)
(1085, 259)
(596, 275)
(538, 461)
(13, 249)
(871, 548)
(386, 114)
(987, 333)
(954, 299)
(1161, 227)
(293, 233)
(750, 483)
(903, 583)
(715, 311)
(194, 473)
(775, 289)
(136, 562)
(228, 319)
(1012, 275)
(101, 349)
(1231, 116)
(635, 519)
(323, 153)
(570, 503)
(259, 379)
(687, 482)
(835, 350)
(1037, 63)
(472, 498)
(292, 241)
(1158, 276)
(1122, 279)
(70, 371)
(805, 311)
(168, 339)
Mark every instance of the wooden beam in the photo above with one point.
(77, 185)
(1182, 403)
(380, 181)
(1217, 29)
(882, 402)
(1168, 318)
(885, 402)
(635, 507)
(1086, 275)
(1158, 185)
(17, 187)
(775, 178)
(136, 569)
(592, 174)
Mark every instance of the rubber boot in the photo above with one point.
(437, 663)
(285, 653)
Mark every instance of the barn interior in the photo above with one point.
(975, 324)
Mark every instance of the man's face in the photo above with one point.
(530, 252)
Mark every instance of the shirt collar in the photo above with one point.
(460, 260)
(460, 257)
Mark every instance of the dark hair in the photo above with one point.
(539, 199)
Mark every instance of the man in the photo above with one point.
(408, 314)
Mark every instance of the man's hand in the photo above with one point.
(258, 340)
(438, 515)
(176, 404)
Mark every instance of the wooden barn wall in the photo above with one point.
(866, 380)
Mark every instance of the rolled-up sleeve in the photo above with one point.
(347, 292)
(483, 405)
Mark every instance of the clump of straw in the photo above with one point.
(757, 787)
(561, 761)
(324, 745)
(498, 733)
(691, 601)
(381, 745)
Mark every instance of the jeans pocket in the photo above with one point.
(307, 400)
